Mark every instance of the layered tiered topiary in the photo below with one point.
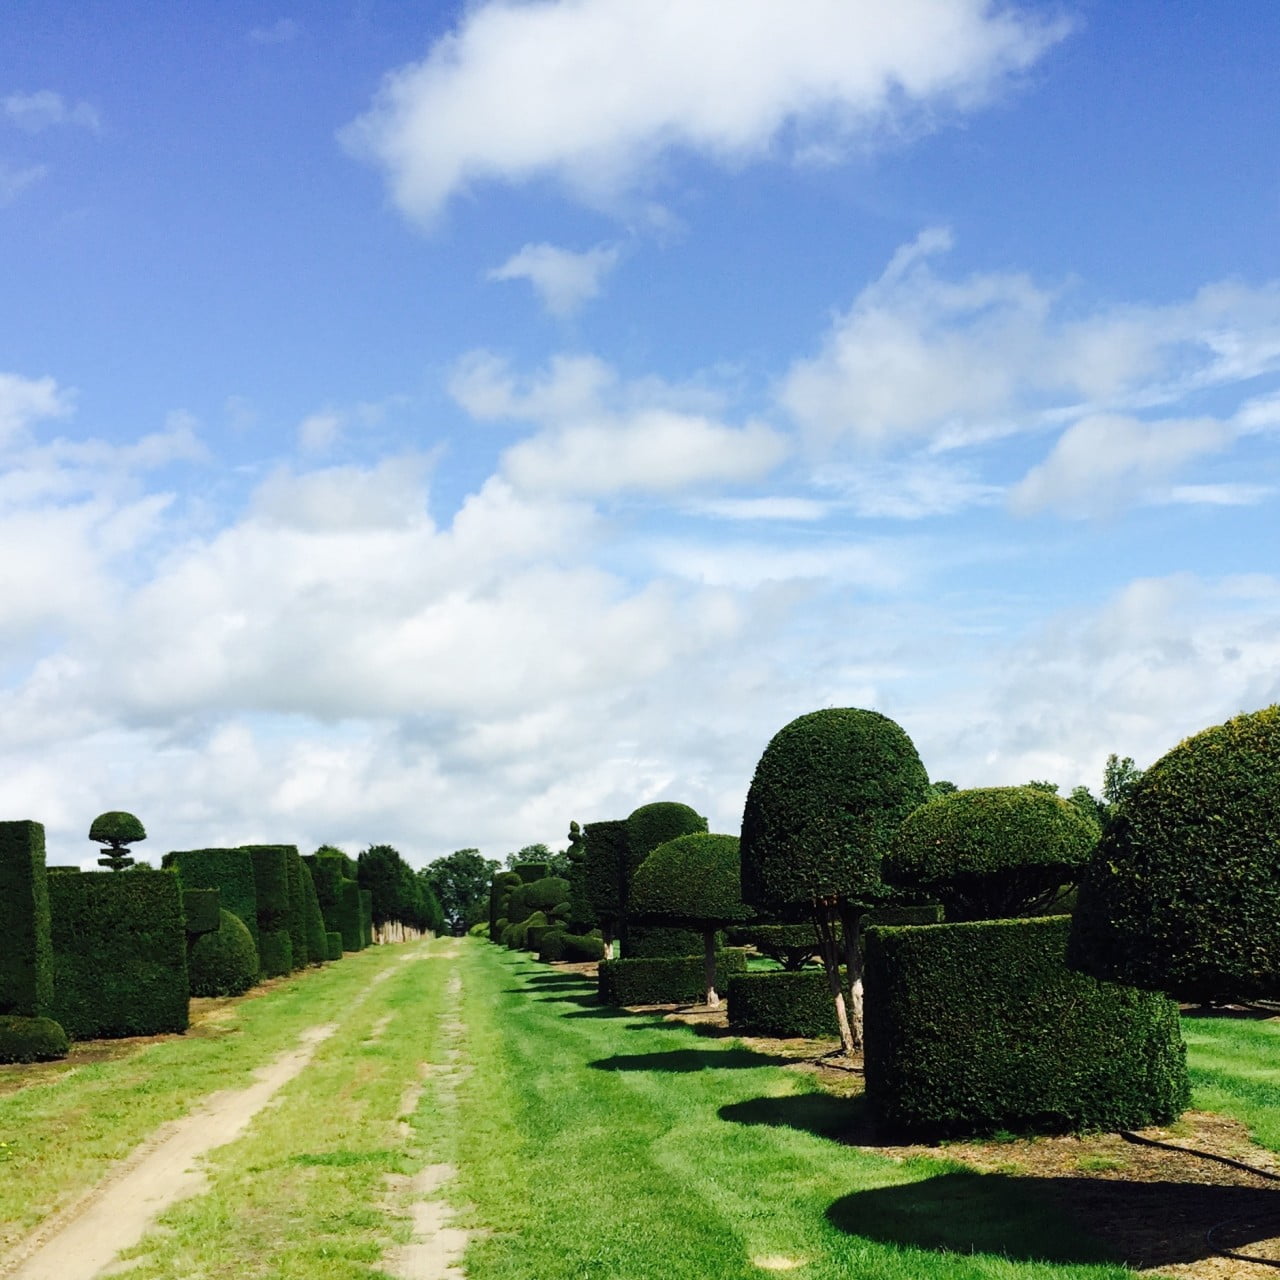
(117, 830)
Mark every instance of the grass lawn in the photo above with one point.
(1235, 1068)
(596, 1143)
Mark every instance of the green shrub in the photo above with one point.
(225, 961)
(201, 910)
(24, 1039)
(516, 936)
(500, 891)
(116, 830)
(655, 824)
(297, 906)
(1183, 892)
(333, 945)
(327, 876)
(26, 955)
(977, 1027)
(119, 953)
(782, 1004)
(647, 940)
(901, 914)
(828, 794)
(573, 948)
(479, 930)
(271, 879)
(349, 916)
(791, 945)
(317, 946)
(692, 880)
(536, 895)
(275, 953)
(528, 872)
(366, 918)
(604, 872)
(991, 853)
(664, 979)
(230, 871)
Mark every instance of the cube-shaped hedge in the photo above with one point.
(366, 917)
(271, 879)
(297, 907)
(202, 910)
(119, 953)
(783, 1003)
(981, 1026)
(664, 979)
(230, 871)
(26, 958)
(349, 915)
(317, 945)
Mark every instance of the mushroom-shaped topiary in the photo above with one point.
(828, 795)
(1183, 892)
(116, 829)
(992, 853)
(693, 880)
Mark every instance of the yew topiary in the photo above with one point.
(829, 793)
(117, 830)
(693, 880)
(1183, 892)
(992, 853)
(224, 962)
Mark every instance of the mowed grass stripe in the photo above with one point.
(301, 1196)
(1234, 1064)
(62, 1135)
(593, 1143)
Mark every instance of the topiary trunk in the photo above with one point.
(709, 968)
(825, 922)
(851, 921)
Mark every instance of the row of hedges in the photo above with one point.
(664, 979)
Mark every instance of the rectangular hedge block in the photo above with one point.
(271, 879)
(798, 1003)
(26, 958)
(230, 871)
(201, 909)
(664, 979)
(977, 1027)
(317, 945)
(349, 915)
(119, 953)
(333, 945)
(327, 876)
(366, 918)
(297, 906)
(275, 953)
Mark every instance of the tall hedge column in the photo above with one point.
(26, 955)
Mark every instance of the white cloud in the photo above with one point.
(1107, 460)
(600, 436)
(957, 362)
(319, 432)
(1220, 495)
(45, 109)
(282, 31)
(771, 508)
(13, 182)
(910, 490)
(615, 84)
(563, 279)
(26, 401)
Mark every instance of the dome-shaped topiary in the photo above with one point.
(694, 879)
(116, 829)
(991, 853)
(31, 1039)
(828, 794)
(655, 824)
(1183, 892)
(225, 962)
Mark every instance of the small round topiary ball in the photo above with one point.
(225, 962)
(1183, 892)
(116, 828)
(31, 1040)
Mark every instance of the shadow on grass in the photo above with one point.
(1068, 1220)
(680, 1060)
(844, 1120)
(584, 1000)
(708, 1030)
(559, 980)
(597, 1011)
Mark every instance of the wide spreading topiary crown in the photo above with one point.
(116, 828)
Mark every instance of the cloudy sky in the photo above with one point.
(431, 423)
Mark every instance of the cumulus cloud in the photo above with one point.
(1106, 460)
(913, 489)
(599, 436)
(13, 182)
(563, 279)
(592, 92)
(319, 432)
(26, 401)
(45, 109)
(955, 362)
(282, 31)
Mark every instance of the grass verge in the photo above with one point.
(1234, 1064)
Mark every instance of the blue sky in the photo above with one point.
(435, 423)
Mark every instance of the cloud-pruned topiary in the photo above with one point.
(1183, 892)
(696, 880)
(116, 829)
(224, 962)
(829, 793)
(992, 853)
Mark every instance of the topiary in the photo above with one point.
(1183, 892)
(116, 829)
(539, 895)
(828, 795)
(992, 853)
(25, 1039)
(693, 880)
(225, 962)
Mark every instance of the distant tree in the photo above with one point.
(943, 788)
(557, 863)
(1119, 777)
(461, 886)
(117, 830)
(1088, 806)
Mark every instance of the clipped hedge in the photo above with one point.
(271, 879)
(646, 940)
(333, 945)
(24, 1039)
(327, 876)
(782, 1003)
(297, 907)
(230, 871)
(317, 946)
(654, 824)
(500, 890)
(664, 979)
(604, 870)
(981, 1026)
(201, 908)
(536, 895)
(225, 961)
(528, 872)
(275, 953)
(574, 948)
(26, 956)
(119, 953)
(828, 794)
(349, 915)
(366, 918)
(991, 853)
(1183, 892)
